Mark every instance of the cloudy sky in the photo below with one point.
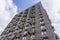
(8, 8)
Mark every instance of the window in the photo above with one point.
(11, 31)
(20, 31)
(33, 10)
(44, 33)
(40, 10)
(32, 16)
(11, 22)
(27, 24)
(24, 15)
(26, 28)
(43, 27)
(19, 15)
(32, 37)
(33, 7)
(45, 39)
(20, 26)
(25, 33)
(43, 24)
(24, 38)
(52, 28)
(17, 39)
(17, 36)
(33, 25)
(17, 19)
(41, 20)
(31, 32)
(26, 11)
(14, 24)
(40, 14)
(22, 19)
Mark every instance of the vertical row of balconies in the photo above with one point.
(29, 28)
(13, 27)
(21, 24)
(43, 28)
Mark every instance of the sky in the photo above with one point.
(9, 8)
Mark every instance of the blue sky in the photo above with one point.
(9, 8)
(24, 4)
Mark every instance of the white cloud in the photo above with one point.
(7, 11)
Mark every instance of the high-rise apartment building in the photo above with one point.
(31, 24)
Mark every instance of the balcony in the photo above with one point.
(17, 19)
(32, 37)
(22, 19)
(33, 23)
(29, 20)
(25, 33)
(18, 32)
(19, 15)
(41, 16)
(32, 32)
(26, 11)
(17, 36)
(24, 15)
(41, 22)
(52, 28)
(32, 16)
(11, 30)
(33, 8)
(43, 28)
(27, 24)
(44, 35)
(14, 24)
(33, 11)
(24, 38)
(33, 27)
(26, 28)
(20, 26)
(41, 19)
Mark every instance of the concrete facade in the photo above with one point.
(31, 24)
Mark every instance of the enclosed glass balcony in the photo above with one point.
(24, 38)
(25, 33)
(26, 28)
(24, 15)
(31, 32)
(32, 37)
(44, 35)
(40, 14)
(27, 24)
(22, 19)
(41, 19)
(52, 28)
(43, 28)
(20, 26)
(42, 22)
(32, 16)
